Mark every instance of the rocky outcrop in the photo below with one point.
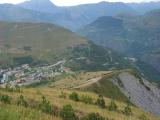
(141, 92)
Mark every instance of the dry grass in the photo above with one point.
(53, 96)
(77, 79)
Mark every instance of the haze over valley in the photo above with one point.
(93, 61)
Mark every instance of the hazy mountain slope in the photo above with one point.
(106, 31)
(78, 16)
(45, 6)
(9, 12)
(72, 17)
(142, 8)
(133, 36)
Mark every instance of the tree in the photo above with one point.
(112, 106)
(128, 110)
(143, 117)
(86, 99)
(93, 116)
(21, 101)
(45, 106)
(100, 101)
(74, 96)
(63, 95)
(5, 99)
(67, 113)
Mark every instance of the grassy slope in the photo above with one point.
(104, 86)
(107, 88)
(12, 112)
(53, 96)
(43, 40)
(44, 43)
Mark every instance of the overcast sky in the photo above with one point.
(75, 2)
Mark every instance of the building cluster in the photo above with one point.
(25, 74)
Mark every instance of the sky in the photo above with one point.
(76, 2)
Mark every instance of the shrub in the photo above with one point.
(5, 99)
(33, 104)
(100, 101)
(55, 111)
(45, 106)
(86, 99)
(93, 116)
(143, 117)
(9, 88)
(21, 101)
(128, 110)
(17, 89)
(63, 95)
(112, 106)
(74, 96)
(67, 113)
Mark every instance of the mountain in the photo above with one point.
(105, 31)
(145, 7)
(134, 36)
(44, 6)
(38, 43)
(12, 13)
(35, 39)
(77, 16)
(73, 17)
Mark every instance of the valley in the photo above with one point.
(93, 61)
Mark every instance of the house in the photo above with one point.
(20, 81)
(4, 78)
(67, 70)
(1, 78)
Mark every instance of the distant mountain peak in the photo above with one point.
(39, 1)
(45, 6)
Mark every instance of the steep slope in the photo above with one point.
(131, 31)
(124, 85)
(106, 31)
(142, 8)
(141, 92)
(78, 16)
(135, 36)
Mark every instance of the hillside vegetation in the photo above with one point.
(34, 96)
(134, 36)
(34, 41)
(39, 43)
